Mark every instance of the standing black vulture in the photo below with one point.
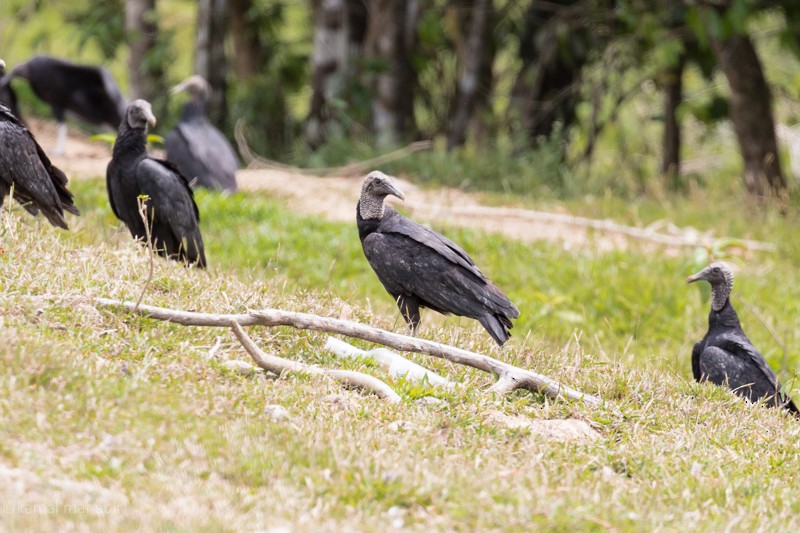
(87, 91)
(171, 211)
(421, 268)
(199, 149)
(725, 356)
(27, 173)
(7, 95)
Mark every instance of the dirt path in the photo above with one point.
(335, 197)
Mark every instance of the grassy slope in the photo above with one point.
(147, 427)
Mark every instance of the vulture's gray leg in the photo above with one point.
(409, 308)
(62, 139)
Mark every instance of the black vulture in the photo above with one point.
(199, 149)
(420, 268)
(7, 95)
(171, 212)
(26, 172)
(85, 90)
(725, 356)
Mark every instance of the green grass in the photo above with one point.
(635, 306)
(130, 417)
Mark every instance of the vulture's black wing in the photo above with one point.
(112, 185)
(406, 267)
(740, 346)
(176, 213)
(436, 274)
(697, 349)
(394, 222)
(93, 94)
(201, 151)
(8, 97)
(735, 362)
(38, 185)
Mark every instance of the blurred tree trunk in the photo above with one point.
(475, 79)
(209, 60)
(249, 52)
(751, 113)
(555, 46)
(339, 30)
(673, 96)
(145, 71)
(390, 39)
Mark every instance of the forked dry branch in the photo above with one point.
(509, 377)
(279, 365)
(253, 160)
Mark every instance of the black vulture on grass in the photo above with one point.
(199, 149)
(171, 212)
(420, 268)
(26, 172)
(725, 356)
(84, 90)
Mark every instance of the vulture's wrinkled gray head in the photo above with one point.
(196, 86)
(140, 114)
(720, 276)
(375, 188)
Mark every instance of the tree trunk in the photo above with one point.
(339, 28)
(145, 74)
(391, 37)
(249, 53)
(751, 113)
(673, 96)
(210, 61)
(546, 89)
(477, 60)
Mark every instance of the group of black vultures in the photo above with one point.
(417, 266)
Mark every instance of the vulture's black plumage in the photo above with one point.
(87, 91)
(25, 169)
(171, 211)
(725, 356)
(421, 268)
(199, 149)
(8, 97)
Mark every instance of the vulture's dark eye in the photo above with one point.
(716, 270)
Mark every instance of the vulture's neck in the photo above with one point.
(371, 207)
(720, 295)
(193, 109)
(725, 317)
(131, 142)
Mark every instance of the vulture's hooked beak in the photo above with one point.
(696, 277)
(151, 118)
(394, 191)
(180, 87)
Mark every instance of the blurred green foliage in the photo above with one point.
(640, 43)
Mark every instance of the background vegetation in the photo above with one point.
(565, 98)
(141, 425)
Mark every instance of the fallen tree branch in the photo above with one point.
(255, 161)
(607, 226)
(278, 365)
(509, 377)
